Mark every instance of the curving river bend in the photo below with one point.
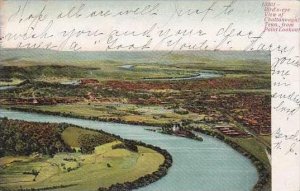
(203, 74)
(210, 165)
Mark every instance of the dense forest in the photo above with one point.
(88, 142)
(24, 138)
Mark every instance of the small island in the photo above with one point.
(178, 130)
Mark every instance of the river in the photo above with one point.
(7, 87)
(210, 165)
(203, 74)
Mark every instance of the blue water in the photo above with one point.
(205, 74)
(7, 87)
(210, 165)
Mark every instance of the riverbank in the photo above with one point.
(180, 133)
(207, 74)
(133, 147)
(7, 87)
(263, 170)
(144, 180)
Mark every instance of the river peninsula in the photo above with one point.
(184, 93)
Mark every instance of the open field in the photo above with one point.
(255, 147)
(77, 171)
(126, 112)
(86, 172)
(11, 82)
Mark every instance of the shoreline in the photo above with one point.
(138, 183)
(195, 76)
(262, 170)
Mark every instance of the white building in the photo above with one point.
(175, 128)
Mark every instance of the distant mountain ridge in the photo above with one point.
(160, 57)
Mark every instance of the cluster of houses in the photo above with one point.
(228, 130)
(213, 117)
(251, 111)
(256, 124)
(142, 101)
